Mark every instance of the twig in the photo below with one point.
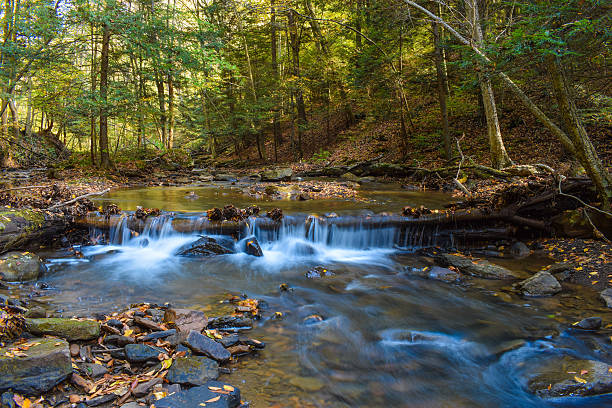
(456, 180)
(74, 200)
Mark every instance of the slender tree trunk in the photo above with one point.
(93, 148)
(29, 113)
(442, 86)
(276, 130)
(299, 96)
(105, 161)
(161, 99)
(499, 156)
(170, 143)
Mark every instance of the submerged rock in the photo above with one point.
(540, 284)
(71, 330)
(205, 246)
(203, 396)
(569, 376)
(590, 323)
(20, 267)
(200, 344)
(481, 269)
(46, 363)
(194, 370)
(437, 273)
(308, 384)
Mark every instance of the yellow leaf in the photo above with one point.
(580, 380)
(128, 332)
(167, 363)
(26, 403)
(214, 399)
(160, 395)
(228, 388)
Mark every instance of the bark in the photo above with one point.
(294, 39)
(276, 130)
(499, 156)
(170, 143)
(442, 87)
(161, 99)
(105, 161)
(92, 121)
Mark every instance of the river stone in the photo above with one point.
(195, 370)
(481, 269)
(20, 267)
(308, 384)
(252, 247)
(284, 174)
(71, 330)
(205, 246)
(590, 323)
(139, 353)
(186, 320)
(157, 335)
(561, 373)
(437, 273)
(540, 284)
(197, 397)
(606, 296)
(225, 177)
(200, 344)
(93, 370)
(230, 322)
(143, 389)
(519, 250)
(46, 365)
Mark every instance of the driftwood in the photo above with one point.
(74, 200)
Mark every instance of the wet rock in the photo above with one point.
(308, 384)
(225, 177)
(186, 320)
(560, 267)
(239, 349)
(590, 323)
(157, 335)
(569, 376)
(540, 284)
(252, 247)
(252, 342)
(200, 344)
(520, 250)
(318, 272)
(120, 341)
(481, 269)
(93, 370)
(71, 330)
(275, 214)
(147, 323)
(284, 174)
(230, 323)
(104, 399)
(36, 312)
(205, 246)
(143, 389)
(117, 324)
(139, 353)
(195, 370)
(229, 341)
(606, 296)
(507, 346)
(437, 273)
(20, 267)
(75, 350)
(45, 365)
(229, 397)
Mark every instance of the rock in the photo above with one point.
(195, 370)
(252, 342)
(93, 370)
(200, 344)
(606, 296)
(45, 365)
(198, 396)
(117, 324)
(437, 273)
(507, 346)
(230, 322)
(349, 177)
(143, 389)
(225, 177)
(120, 341)
(560, 267)
(157, 335)
(558, 376)
(540, 284)
(590, 323)
(139, 353)
(520, 250)
(481, 269)
(75, 350)
(186, 320)
(205, 246)
(36, 312)
(20, 267)
(284, 174)
(104, 399)
(229, 341)
(318, 272)
(252, 247)
(239, 349)
(71, 330)
(147, 323)
(308, 384)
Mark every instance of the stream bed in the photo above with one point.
(366, 334)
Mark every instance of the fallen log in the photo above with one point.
(21, 228)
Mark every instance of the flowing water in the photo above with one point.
(386, 338)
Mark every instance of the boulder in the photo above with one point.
(251, 247)
(46, 363)
(186, 320)
(437, 273)
(563, 376)
(20, 267)
(520, 250)
(139, 353)
(71, 330)
(205, 246)
(283, 174)
(200, 344)
(481, 269)
(194, 370)
(606, 296)
(540, 284)
(225, 177)
(203, 396)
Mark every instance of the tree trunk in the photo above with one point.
(161, 98)
(499, 156)
(93, 148)
(294, 39)
(105, 161)
(170, 143)
(276, 130)
(442, 86)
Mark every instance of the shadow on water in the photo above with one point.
(381, 337)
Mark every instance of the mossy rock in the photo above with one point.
(71, 330)
(20, 267)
